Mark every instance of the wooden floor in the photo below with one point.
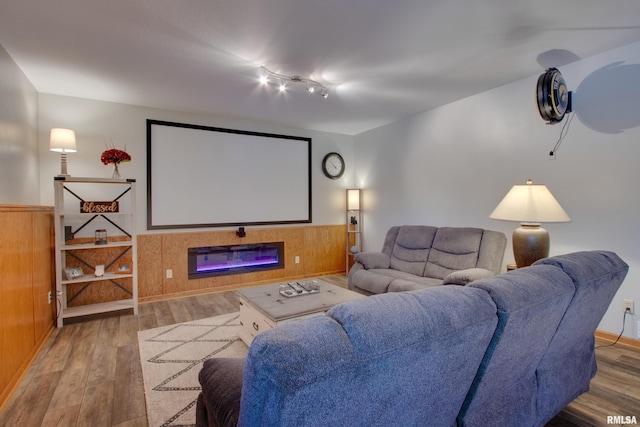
(88, 373)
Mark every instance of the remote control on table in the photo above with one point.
(296, 287)
(308, 286)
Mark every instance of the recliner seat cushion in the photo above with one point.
(381, 280)
(413, 284)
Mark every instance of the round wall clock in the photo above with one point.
(552, 96)
(333, 165)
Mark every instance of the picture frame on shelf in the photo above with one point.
(123, 268)
(73, 273)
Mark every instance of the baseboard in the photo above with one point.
(625, 341)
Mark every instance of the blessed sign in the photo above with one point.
(99, 207)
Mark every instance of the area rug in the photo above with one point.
(172, 357)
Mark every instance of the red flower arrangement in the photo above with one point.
(115, 156)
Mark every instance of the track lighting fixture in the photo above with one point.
(311, 85)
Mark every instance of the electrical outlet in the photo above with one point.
(627, 305)
(297, 259)
(49, 298)
(169, 274)
(638, 330)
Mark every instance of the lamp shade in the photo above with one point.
(353, 199)
(531, 203)
(62, 140)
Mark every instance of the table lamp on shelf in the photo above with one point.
(530, 204)
(62, 141)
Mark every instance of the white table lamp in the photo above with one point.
(62, 141)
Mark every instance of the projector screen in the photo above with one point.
(199, 176)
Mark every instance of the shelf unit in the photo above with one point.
(354, 224)
(75, 244)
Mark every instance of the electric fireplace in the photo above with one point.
(211, 261)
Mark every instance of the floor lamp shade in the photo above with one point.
(353, 199)
(530, 204)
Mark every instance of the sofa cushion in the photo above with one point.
(453, 249)
(413, 284)
(370, 281)
(380, 280)
(411, 248)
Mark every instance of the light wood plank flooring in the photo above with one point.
(88, 373)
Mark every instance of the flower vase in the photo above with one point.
(116, 172)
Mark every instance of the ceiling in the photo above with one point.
(381, 59)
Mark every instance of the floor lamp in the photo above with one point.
(530, 204)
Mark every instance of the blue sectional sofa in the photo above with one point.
(513, 349)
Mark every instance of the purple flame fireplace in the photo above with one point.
(235, 259)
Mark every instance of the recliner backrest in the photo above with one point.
(453, 249)
(393, 359)
(569, 364)
(531, 303)
(411, 248)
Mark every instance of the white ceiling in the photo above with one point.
(381, 59)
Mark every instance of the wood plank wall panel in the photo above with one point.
(16, 304)
(150, 272)
(323, 256)
(26, 249)
(43, 273)
(321, 250)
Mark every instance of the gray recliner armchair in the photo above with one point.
(419, 256)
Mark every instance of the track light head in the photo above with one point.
(311, 85)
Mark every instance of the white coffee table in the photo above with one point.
(263, 308)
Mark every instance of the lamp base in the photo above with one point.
(530, 243)
(63, 165)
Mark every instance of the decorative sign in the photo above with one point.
(99, 207)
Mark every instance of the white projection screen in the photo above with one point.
(199, 176)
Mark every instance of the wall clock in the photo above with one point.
(554, 100)
(333, 165)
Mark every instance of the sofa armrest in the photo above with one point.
(463, 277)
(373, 259)
(219, 402)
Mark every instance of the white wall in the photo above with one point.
(451, 166)
(18, 136)
(98, 123)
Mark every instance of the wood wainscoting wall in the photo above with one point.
(26, 278)
(320, 248)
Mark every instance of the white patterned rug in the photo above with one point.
(172, 357)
